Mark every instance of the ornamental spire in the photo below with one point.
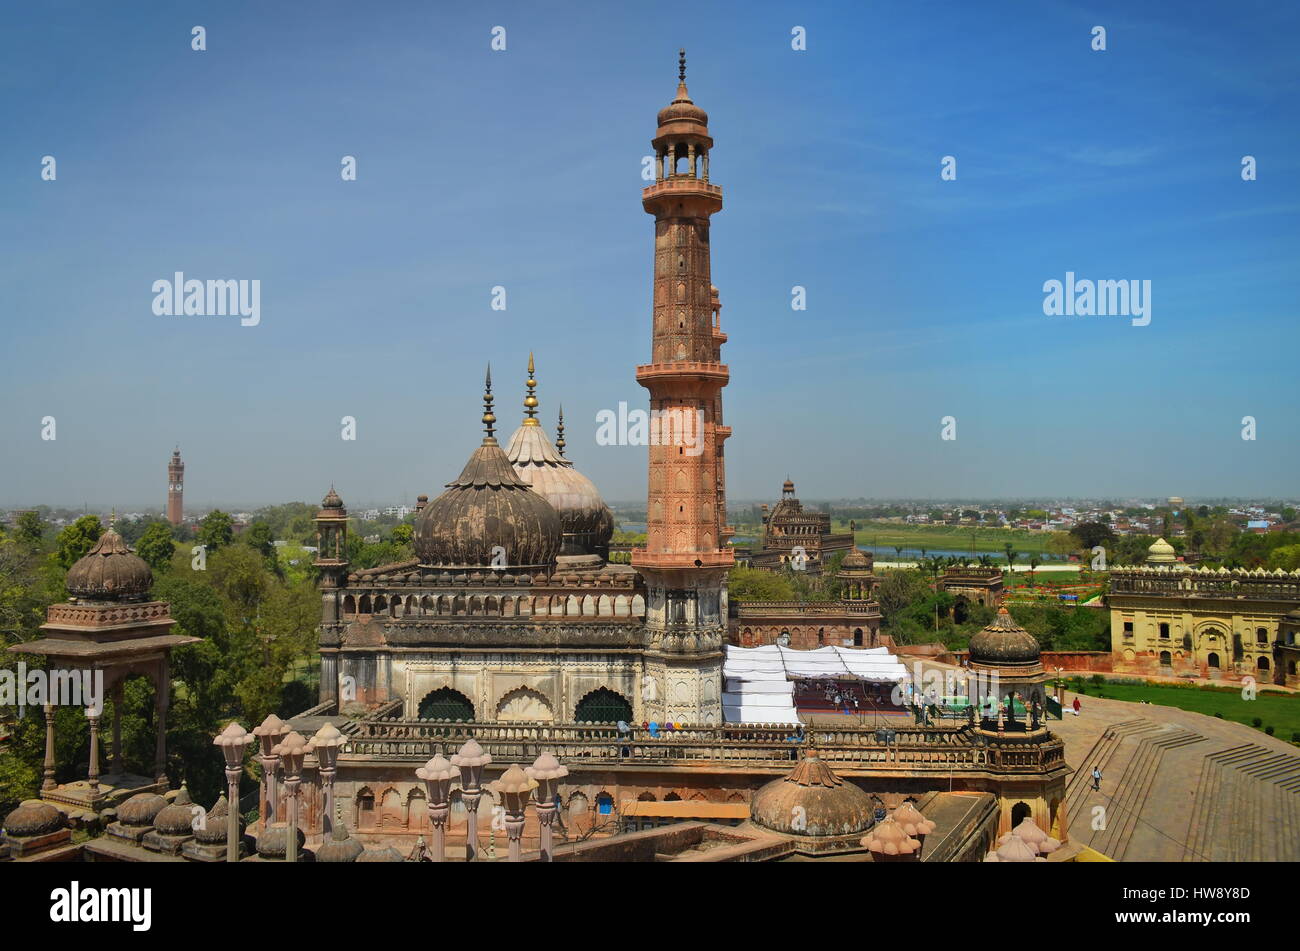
(488, 419)
(559, 433)
(681, 65)
(530, 401)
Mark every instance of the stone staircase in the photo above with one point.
(1136, 790)
(1247, 807)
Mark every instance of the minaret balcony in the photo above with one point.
(682, 185)
(648, 373)
(676, 560)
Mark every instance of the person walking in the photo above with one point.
(1077, 706)
(1096, 779)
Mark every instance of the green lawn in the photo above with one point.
(1281, 711)
(989, 541)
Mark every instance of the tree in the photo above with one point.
(156, 547)
(1034, 562)
(1092, 534)
(1062, 544)
(1011, 556)
(754, 584)
(77, 539)
(216, 529)
(30, 529)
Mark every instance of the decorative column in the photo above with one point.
(515, 788)
(470, 760)
(233, 740)
(292, 750)
(47, 783)
(326, 744)
(545, 771)
(437, 775)
(94, 754)
(162, 699)
(269, 734)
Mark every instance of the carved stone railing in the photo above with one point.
(1258, 585)
(913, 748)
(802, 608)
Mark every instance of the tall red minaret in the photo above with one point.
(175, 487)
(685, 561)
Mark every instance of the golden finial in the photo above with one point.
(559, 433)
(530, 401)
(488, 419)
(681, 65)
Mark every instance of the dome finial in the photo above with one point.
(559, 433)
(488, 419)
(681, 65)
(530, 401)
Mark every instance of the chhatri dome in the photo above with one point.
(1161, 553)
(110, 572)
(682, 115)
(811, 800)
(586, 523)
(1004, 643)
(488, 517)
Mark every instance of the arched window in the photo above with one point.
(1165, 659)
(602, 706)
(1213, 661)
(1262, 663)
(1261, 635)
(605, 804)
(1019, 813)
(365, 809)
(446, 704)
(857, 637)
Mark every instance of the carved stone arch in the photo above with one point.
(417, 810)
(350, 604)
(527, 705)
(364, 809)
(363, 607)
(573, 607)
(605, 606)
(589, 606)
(638, 606)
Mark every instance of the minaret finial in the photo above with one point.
(530, 401)
(488, 419)
(681, 65)
(559, 433)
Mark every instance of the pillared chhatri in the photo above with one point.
(511, 639)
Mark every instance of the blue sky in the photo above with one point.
(522, 168)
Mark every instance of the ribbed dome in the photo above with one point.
(110, 572)
(488, 506)
(682, 115)
(215, 825)
(389, 854)
(178, 818)
(1004, 643)
(855, 559)
(1161, 553)
(586, 522)
(140, 809)
(341, 847)
(811, 800)
(33, 817)
(332, 500)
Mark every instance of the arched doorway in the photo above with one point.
(602, 706)
(1019, 813)
(446, 704)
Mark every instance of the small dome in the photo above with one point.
(341, 847)
(1004, 643)
(331, 500)
(214, 826)
(811, 800)
(1161, 553)
(912, 822)
(889, 839)
(140, 809)
(1012, 848)
(682, 109)
(33, 817)
(273, 842)
(110, 572)
(177, 818)
(855, 559)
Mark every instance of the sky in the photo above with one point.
(521, 168)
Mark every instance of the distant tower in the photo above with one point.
(175, 487)
(685, 561)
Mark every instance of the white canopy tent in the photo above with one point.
(758, 682)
